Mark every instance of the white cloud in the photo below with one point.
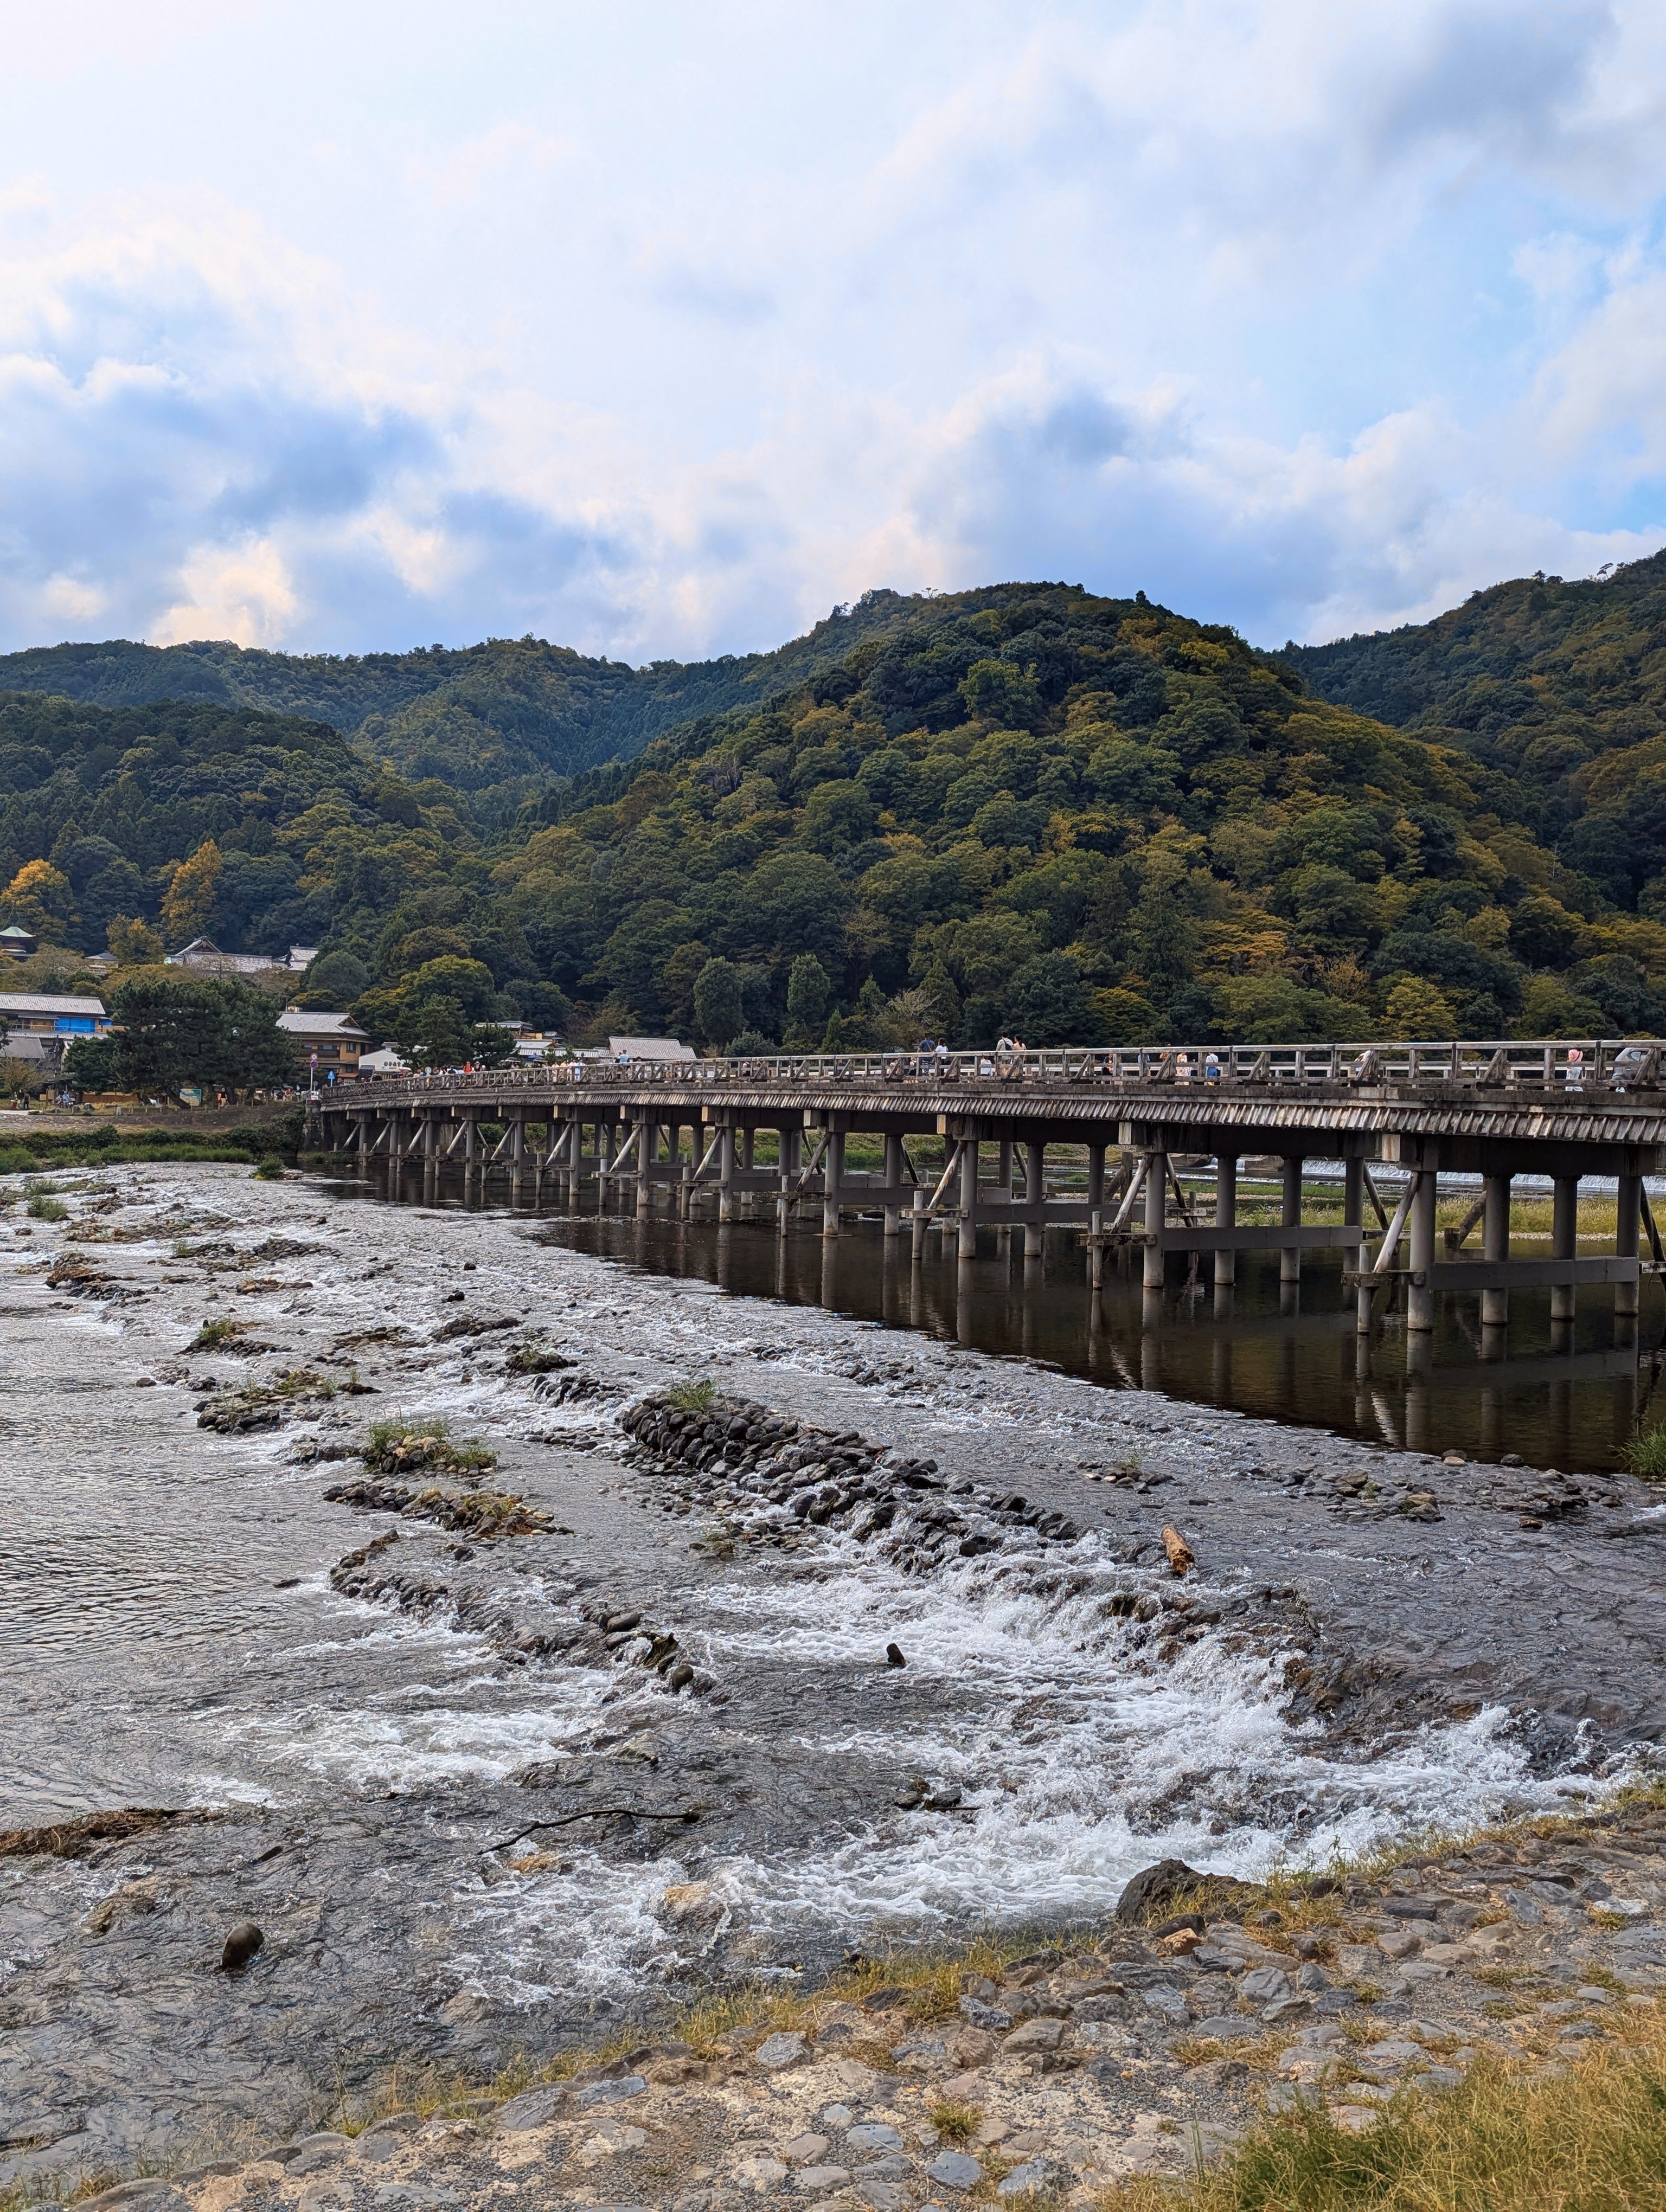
(1298, 318)
(243, 592)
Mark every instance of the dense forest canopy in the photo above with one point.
(1023, 808)
(493, 719)
(1559, 686)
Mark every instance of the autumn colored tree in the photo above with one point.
(189, 899)
(38, 897)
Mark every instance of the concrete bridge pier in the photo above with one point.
(1227, 1217)
(832, 1180)
(645, 1149)
(1354, 1208)
(894, 1173)
(1627, 1228)
(1034, 1199)
(1290, 1217)
(966, 1239)
(1495, 1248)
(1157, 1192)
(1564, 1245)
(726, 1166)
(1420, 1228)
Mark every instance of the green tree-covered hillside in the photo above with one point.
(495, 715)
(262, 830)
(1068, 817)
(1560, 686)
(1022, 809)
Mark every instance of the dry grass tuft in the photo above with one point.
(1588, 2135)
(955, 2123)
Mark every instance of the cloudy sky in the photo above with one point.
(656, 329)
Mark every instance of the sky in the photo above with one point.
(658, 331)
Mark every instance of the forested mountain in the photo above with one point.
(504, 713)
(1023, 808)
(1559, 686)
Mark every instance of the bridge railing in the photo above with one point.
(1556, 1065)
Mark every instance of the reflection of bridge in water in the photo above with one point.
(1092, 1145)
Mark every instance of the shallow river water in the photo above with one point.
(170, 1634)
(1571, 1404)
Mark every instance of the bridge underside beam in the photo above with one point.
(1309, 1237)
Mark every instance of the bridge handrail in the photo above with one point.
(1564, 1065)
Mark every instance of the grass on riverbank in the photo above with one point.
(1586, 2137)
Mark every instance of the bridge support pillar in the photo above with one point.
(832, 1178)
(893, 1181)
(1156, 1193)
(726, 1152)
(1419, 1298)
(1630, 1194)
(645, 1147)
(1096, 1177)
(1290, 1259)
(1354, 1207)
(1495, 1246)
(1226, 1216)
(1035, 1197)
(1564, 1242)
(966, 1241)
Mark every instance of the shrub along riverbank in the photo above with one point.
(35, 1150)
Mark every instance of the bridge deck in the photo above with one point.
(1503, 1109)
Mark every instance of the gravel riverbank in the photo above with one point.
(494, 1778)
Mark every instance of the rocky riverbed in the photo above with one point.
(661, 1643)
(1048, 2077)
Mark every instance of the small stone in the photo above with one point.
(953, 2169)
(879, 2195)
(242, 1945)
(1283, 2011)
(1217, 2074)
(1402, 1944)
(1036, 2176)
(1354, 2119)
(777, 2053)
(614, 2092)
(760, 2174)
(805, 2149)
(313, 2161)
(1037, 2035)
(1265, 1986)
(873, 2135)
(534, 2109)
(817, 2180)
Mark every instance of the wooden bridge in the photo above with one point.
(685, 1133)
